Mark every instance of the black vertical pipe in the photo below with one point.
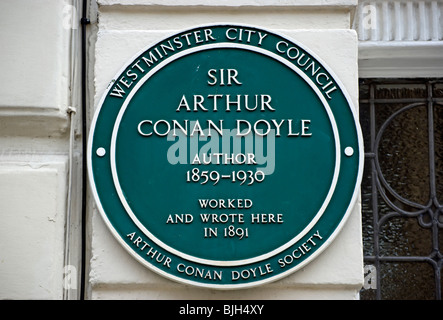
(84, 21)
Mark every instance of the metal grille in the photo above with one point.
(402, 188)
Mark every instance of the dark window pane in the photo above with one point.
(400, 236)
(407, 281)
(367, 212)
(402, 187)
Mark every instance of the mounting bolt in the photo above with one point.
(71, 110)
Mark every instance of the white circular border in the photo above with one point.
(168, 275)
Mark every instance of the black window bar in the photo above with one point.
(402, 188)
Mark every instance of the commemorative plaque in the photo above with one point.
(225, 156)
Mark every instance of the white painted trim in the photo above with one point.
(232, 3)
(402, 59)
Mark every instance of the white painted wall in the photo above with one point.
(35, 94)
(400, 39)
(124, 28)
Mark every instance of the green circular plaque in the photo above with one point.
(225, 156)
